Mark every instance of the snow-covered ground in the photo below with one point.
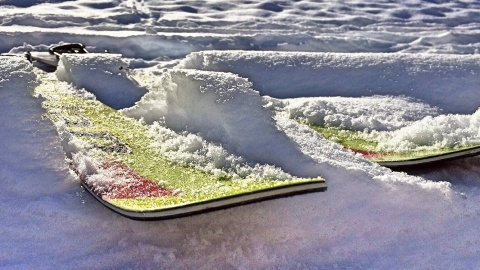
(409, 67)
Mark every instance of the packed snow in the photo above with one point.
(220, 84)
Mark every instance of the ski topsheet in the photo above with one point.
(366, 146)
(112, 155)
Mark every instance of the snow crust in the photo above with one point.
(370, 217)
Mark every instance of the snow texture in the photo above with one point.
(366, 113)
(357, 59)
(431, 78)
(102, 74)
(222, 107)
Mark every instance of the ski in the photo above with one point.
(364, 146)
(112, 156)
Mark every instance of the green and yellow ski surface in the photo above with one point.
(357, 142)
(112, 155)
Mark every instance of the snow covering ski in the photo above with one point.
(120, 160)
(394, 131)
(124, 164)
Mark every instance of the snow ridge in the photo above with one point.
(222, 107)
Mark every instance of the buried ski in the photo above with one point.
(113, 156)
(366, 146)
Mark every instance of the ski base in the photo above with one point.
(213, 205)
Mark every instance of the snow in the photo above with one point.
(222, 107)
(103, 75)
(429, 77)
(409, 68)
(440, 131)
(191, 149)
(365, 113)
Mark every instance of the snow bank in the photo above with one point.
(431, 80)
(222, 108)
(105, 75)
(450, 82)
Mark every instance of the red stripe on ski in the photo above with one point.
(368, 154)
(136, 186)
(139, 187)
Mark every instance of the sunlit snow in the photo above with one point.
(219, 82)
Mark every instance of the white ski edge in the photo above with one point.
(215, 204)
(432, 159)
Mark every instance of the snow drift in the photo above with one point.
(445, 81)
(223, 108)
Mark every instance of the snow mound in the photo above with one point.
(104, 75)
(223, 108)
(431, 78)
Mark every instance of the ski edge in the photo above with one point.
(416, 162)
(214, 204)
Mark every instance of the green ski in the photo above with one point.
(112, 155)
